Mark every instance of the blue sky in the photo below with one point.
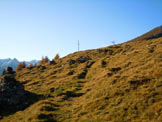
(30, 29)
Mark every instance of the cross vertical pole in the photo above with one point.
(78, 45)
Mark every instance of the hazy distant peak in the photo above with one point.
(13, 63)
(15, 59)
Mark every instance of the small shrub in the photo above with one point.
(20, 66)
(56, 57)
(30, 66)
(44, 60)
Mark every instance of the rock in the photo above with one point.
(140, 82)
(109, 51)
(82, 75)
(52, 89)
(103, 63)
(9, 71)
(42, 67)
(52, 63)
(100, 50)
(30, 67)
(70, 62)
(82, 59)
(89, 64)
(109, 74)
(127, 46)
(70, 73)
(115, 69)
(11, 91)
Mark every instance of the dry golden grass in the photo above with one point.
(123, 83)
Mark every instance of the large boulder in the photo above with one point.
(11, 91)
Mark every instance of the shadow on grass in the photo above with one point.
(70, 94)
(29, 99)
(46, 118)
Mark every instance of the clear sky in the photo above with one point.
(30, 29)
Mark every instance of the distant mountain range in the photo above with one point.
(12, 63)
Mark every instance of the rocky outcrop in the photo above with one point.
(71, 62)
(83, 74)
(82, 59)
(79, 60)
(11, 91)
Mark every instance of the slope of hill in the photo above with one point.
(155, 33)
(118, 83)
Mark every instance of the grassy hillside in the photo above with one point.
(119, 83)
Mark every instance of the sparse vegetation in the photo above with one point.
(30, 66)
(20, 66)
(94, 86)
(56, 57)
(44, 60)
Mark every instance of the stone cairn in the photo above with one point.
(11, 91)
